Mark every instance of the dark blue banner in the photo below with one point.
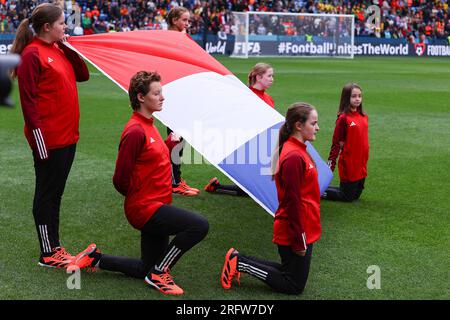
(225, 45)
(273, 46)
(5, 46)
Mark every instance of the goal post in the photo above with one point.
(240, 29)
(283, 34)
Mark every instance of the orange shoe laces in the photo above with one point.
(62, 255)
(167, 279)
(183, 184)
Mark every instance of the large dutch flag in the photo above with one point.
(212, 109)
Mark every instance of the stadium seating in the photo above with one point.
(409, 19)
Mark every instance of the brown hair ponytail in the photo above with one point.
(24, 36)
(175, 13)
(344, 104)
(42, 14)
(283, 136)
(297, 112)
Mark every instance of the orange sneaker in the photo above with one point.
(183, 183)
(88, 258)
(59, 259)
(63, 252)
(229, 270)
(212, 185)
(164, 283)
(183, 189)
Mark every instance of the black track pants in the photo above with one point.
(347, 191)
(288, 277)
(156, 252)
(51, 176)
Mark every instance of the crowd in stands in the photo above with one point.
(410, 19)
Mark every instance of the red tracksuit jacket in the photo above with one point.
(353, 130)
(297, 219)
(143, 170)
(47, 78)
(264, 96)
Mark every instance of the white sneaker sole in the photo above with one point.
(148, 281)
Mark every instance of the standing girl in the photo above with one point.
(351, 145)
(47, 78)
(143, 176)
(178, 20)
(297, 219)
(260, 79)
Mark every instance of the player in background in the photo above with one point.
(47, 77)
(260, 79)
(351, 145)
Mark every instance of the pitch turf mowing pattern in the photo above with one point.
(401, 224)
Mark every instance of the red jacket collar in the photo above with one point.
(297, 142)
(136, 115)
(257, 90)
(42, 42)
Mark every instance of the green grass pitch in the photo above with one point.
(400, 224)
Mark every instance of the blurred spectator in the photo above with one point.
(262, 30)
(78, 30)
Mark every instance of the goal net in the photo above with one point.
(292, 34)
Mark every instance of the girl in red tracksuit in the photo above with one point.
(297, 219)
(143, 175)
(47, 77)
(260, 79)
(351, 145)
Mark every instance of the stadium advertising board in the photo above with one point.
(216, 45)
(5, 46)
(361, 48)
